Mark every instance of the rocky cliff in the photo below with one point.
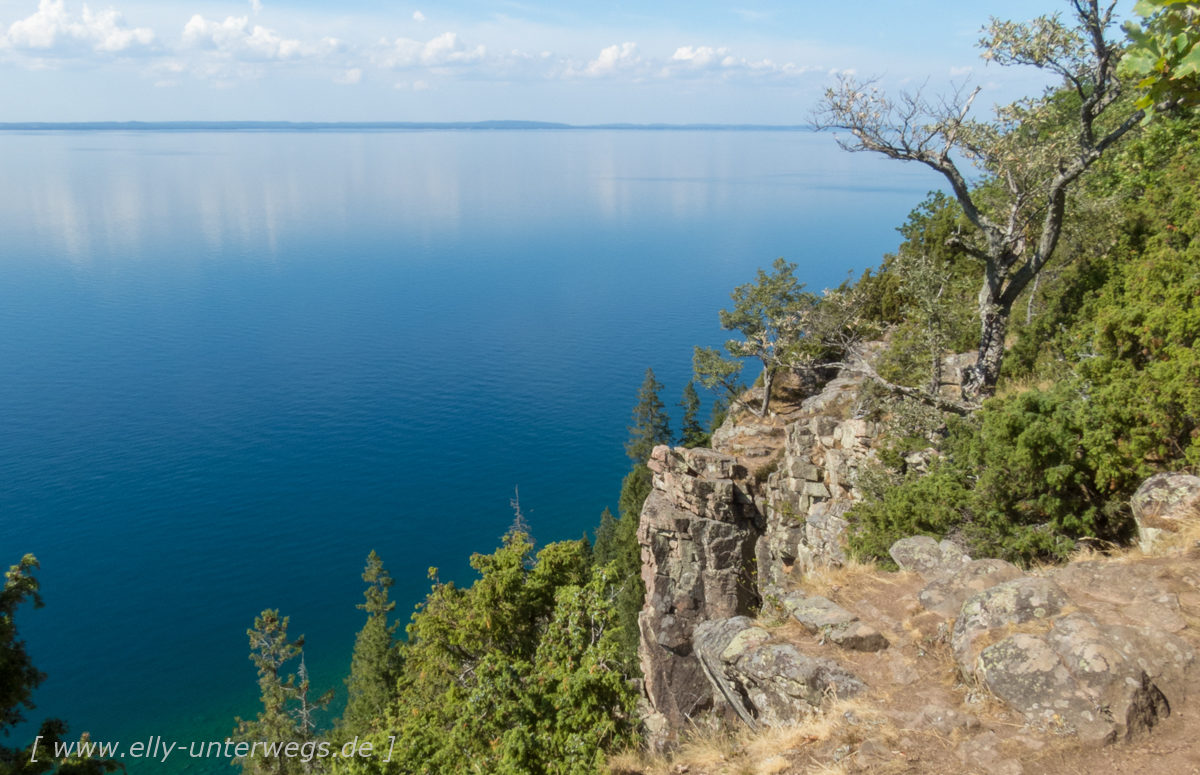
(738, 624)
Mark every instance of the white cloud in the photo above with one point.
(52, 31)
(614, 59)
(236, 38)
(446, 49)
(349, 77)
(959, 72)
(697, 60)
(256, 6)
(418, 16)
(699, 56)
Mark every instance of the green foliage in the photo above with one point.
(604, 547)
(1144, 392)
(1164, 52)
(374, 664)
(287, 714)
(518, 673)
(767, 314)
(651, 426)
(930, 504)
(784, 327)
(627, 559)
(691, 434)
(717, 373)
(931, 289)
(1046, 466)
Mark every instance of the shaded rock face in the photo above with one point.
(1164, 503)
(763, 682)
(697, 533)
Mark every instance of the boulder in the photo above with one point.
(1005, 605)
(766, 683)
(1102, 683)
(1025, 672)
(1164, 503)
(822, 616)
(946, 595)
(928, 557)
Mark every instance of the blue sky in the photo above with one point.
(746, 61)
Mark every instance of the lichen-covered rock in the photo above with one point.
(1025, 672)
(947, 594)
(1009, 604)
(822, 616)
(928, 557)
(763, 682)
(1163, 504)
(1101, 683)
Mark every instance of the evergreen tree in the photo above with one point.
(372, 679)
(691, 434)
(604, 547)
(651, 426)
(277, 722)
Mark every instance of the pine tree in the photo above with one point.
(373, 666)
(270, 650)
(651, 426)
(604, 547)
(691, 434)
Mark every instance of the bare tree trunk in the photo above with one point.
(768, 381)
(982, 377)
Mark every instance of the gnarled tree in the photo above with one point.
(1031, 154)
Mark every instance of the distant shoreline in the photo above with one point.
(369, 126)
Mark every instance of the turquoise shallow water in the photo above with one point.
(231, 364)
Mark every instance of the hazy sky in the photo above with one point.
(756, 61)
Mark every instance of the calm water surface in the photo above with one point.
(233, 364)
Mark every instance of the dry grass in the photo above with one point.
(768, 751)
(855, 574)
(1180, 536)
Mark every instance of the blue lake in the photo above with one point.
(231, 364)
